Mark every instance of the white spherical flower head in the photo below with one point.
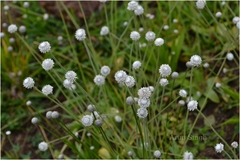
(141, 29)
(99, 80)
(71, 76)
(103, 1)
(218, 85)
(218, 14)
(144, 102)
(159, 42)
(87, 120)
(166, 27)
(4, 25)
(61, 156)
(165, 70)
(28, 83)
(105, 70)
(157, 154)
(6, 8)
(48, 89)
(22, 29)
(118, 118)
(49, 114)
(183, 93)
(151, 88)
(144, 92)
(134, 35)
(163, 82)
(175, 31)
(34, 120)
(104, 30)
(189, 64)
(181, 102)
(11, 40)
(28, 103)
(80, 34)
(129, 153)
(175, 75)
(235, 20)
(150, 36)
(238, 25)
(192, 105)
(55, 114)
(230, 56)
(92, 148)
(234, 144)
(132, 5)
(45, 16)
(175, 20)
(206, 65)
(196, 60)
(8, 132)
(187, 156)
(142, 112)
(67, 84)
(91, 108)
(120, 76)
(130, 81)
(223, 3)
(136, 65)
(12, 28)
(219, 148)
(130, 100)
(44, 47)
(47, 64)
(43, 146)
(139, 10)
(26, 4)
(200, 4)
(2, 34)
(10, 49)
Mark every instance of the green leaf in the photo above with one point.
(212, 95)
(233, 120)
(232, 93)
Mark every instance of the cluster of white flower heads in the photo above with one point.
(120, 76)
(134, 35)
(44, 47)
(219, 147)
(196, 60)
(136, 64)
(165, 70)
(43, 146)
(142, 112)
(12, 28)
(28, 83)
(99, 80)
(192, 105)
(80, 34)
(187, 156)
(104, 30)
(47, 89)
(87, 120)
(47, 64)
(150, 36)
(200, 4)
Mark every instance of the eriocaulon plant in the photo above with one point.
(138, 85)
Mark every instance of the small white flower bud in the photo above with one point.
(159, 42)
(218, 14)
(98, 122)
(28, 83)
(11, 40)
(2, 34)
(134, 35)
(12, 28)
(118, 118)
(175, 31)
(165, 70)
(189, 64)
(230, 56)
(163, 82)
(89, 134)
(6, 8)
(34, 120)
(136, 65)
(141, 29)
(43, 146)
(236, 19)
(45, 16)
(157, 154)
(47, 64)
(67, 83)
(181, 102)
(105, 70)
(4, 25)
(28, 103)
(87, 120)
(218, 85)
(80, 34)
(104, 30)
(47, 89)
(150, 36)
(144, 102)
(192, 105)
(219, 148)
(92, 148)
(183, 93)
(44, 47)
(71, 76)
(175, 20)
(200, 4)
(187, 156)
(55, 114)
(49, 114)
(130, 101)
(130, 153)
(59, 38)
(206, 65)
(196, 60)
(99, 80)
(91, 108)
(61, 156)
(175, 75)
(151, 88)
(8, 132)
(26, 4)
(234, 144)
(166, 27)
(10, 48)
(22, 29)
(130, 81)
